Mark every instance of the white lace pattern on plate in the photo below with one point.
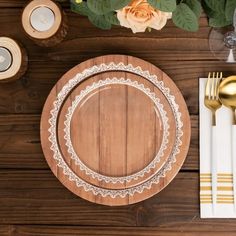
(57, 155)
(95, 86)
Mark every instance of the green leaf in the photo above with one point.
(219, 21)
(163, 5)
(80, 8)
(111, 17)
(216, 5)
(184, 18)
(99, 21)
(99, 7)
(212, 14)
(118, 4)
(195, 6)
(229, 9)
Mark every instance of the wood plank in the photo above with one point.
(5, 230)
(23, 149)
(167, 49)
(28, 94)
(164, 45)
(26, 192)
(20, 142)
(189, 229)
(83, 35)
(12, 3)
(36, 197)
(22, 3)
(16, 7)
(112, 121)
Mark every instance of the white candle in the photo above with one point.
(42, 19)
(5, 59)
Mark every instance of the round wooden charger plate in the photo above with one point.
(115, 130)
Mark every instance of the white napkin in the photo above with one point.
(225, 202)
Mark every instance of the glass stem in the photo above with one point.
(230, 37)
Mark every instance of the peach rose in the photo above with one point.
(139, 15)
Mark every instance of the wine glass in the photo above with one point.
(222, 42)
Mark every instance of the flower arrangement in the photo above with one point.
(140, 15)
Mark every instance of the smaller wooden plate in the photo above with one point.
(126, 136)
(115, 130)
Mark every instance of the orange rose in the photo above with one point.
(139, 15)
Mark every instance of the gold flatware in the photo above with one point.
(227, 95)
(212, 100)
(213, 103)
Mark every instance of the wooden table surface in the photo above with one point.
(32, 201)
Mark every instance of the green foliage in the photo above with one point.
(100, 21)
(99, 7)
(220, 12)
(217, 6)
(80, 8)
(112, 18)
(118, 4)
(185, 18)
(100, 12)
(220, 21)
(229, 9)
(163, 5)
(102, 7)
(186, 13)
(195, 6)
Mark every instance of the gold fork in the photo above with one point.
(212, 102)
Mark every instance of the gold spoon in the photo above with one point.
(227, 95)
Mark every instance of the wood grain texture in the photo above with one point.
(20, 192)
(37, 197)
(167, 49)
(28, 189)
(189, 230)
(113, 114)
(23, 149)
(22, 3)
(29, 94)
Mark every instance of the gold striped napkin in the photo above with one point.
(225, 202)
